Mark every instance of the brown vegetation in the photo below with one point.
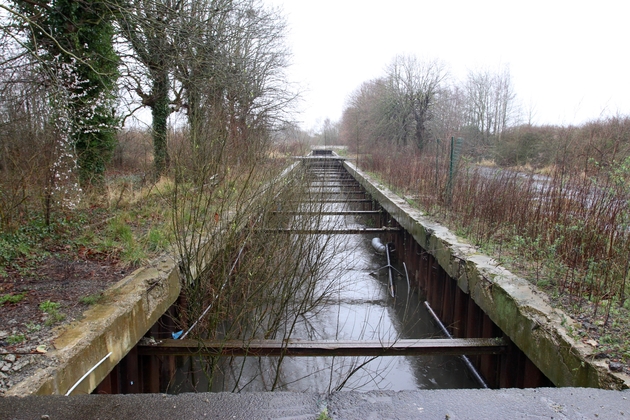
(564, 227)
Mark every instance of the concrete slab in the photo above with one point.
(541, 403)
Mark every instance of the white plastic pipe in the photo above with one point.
(378, 245)
(87, 373)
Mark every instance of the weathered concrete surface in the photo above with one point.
(542, 403)
(515, 305)
(130, 308)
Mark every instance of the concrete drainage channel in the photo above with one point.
(469, 293)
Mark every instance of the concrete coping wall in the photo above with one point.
(516, 306)
(130, 309)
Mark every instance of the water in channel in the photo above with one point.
(358, 306)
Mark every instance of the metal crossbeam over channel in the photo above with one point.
(331, 213)
(407, 347)
(347, 231)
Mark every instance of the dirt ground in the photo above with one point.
(596, 332)
(26, 331)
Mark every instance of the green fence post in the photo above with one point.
(456, 149)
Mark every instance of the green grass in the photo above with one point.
(134, 235)
(158, 239)
(91, 299)
(323, 415)
(130, 233)
(119, 229)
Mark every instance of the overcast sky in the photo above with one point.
(569, 60)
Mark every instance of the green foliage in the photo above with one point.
(323, 415)
(54, 317)
(11, 298)
(14, 246)
(49, 306)
(15, 339)
(620, 174)
(32, 327)
(52, 309)
(31, 243)
(26, 243)
(91, 299)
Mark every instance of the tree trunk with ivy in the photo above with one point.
(74, 42)
(160, 110)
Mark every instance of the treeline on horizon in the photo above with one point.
(416, 106)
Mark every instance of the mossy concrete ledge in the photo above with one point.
(516, 306)
(129, 309)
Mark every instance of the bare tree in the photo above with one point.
(490, 103)
(146, 27)
(371, 116)
(255, 90)
(328, 134)
(415, 85)
(200, 68)
(396, 109)
(222, 61)
(449, 113)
